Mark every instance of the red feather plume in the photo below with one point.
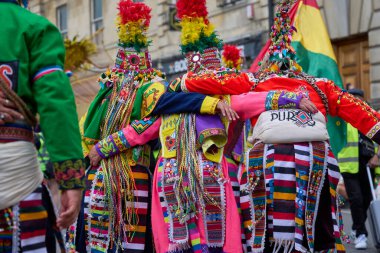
(231, 53)
(192, 8)
(133, 12)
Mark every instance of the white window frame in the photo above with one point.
(64, 32)
(94, 21)
(224, 3)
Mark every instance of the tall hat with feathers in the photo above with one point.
(281, 55)
(132, 23)
(199, 41)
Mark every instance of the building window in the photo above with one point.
(224, 3)
(97, 20)
(62, 19)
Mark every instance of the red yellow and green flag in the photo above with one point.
(315, 55)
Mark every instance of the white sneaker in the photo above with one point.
(361, 242)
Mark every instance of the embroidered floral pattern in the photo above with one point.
(70, 174)
(107, 147)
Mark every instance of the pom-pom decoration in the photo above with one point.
(198, 33)
(69, 73)
(231, 57)
(132, 24)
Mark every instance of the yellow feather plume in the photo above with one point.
(132, 32)
(192, 29)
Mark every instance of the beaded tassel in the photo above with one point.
(118, 177)
(190, 190)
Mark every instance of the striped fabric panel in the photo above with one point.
(333, 177)
(215, 216)
(284, 193)
(232, 172)
(195, 237)
(316, 176)
(257, 204)
(5, 233)
(98, 215)
(136, 235)
(33, 221)
(302, 160)
(245, 205)
(178, 232)
(287, 168)
(72, 244)
(269, 188)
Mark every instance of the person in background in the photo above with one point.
(33, 82)
(349, 86)
(353, 159)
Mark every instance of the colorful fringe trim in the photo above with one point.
(96, 215)
(293, 176)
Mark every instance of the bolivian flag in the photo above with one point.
(316, 57)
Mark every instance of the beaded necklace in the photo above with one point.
(190, 188)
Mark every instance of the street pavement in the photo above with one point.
(350, 248)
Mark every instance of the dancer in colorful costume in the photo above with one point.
(193, 204)
(32, 81)
(115, 215)
(288, 192)
(192, 187)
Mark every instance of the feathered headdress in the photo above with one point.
(132, 23)
(198, 33)
(231, 57)
(281, 54)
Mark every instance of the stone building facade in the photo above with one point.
(353, 25)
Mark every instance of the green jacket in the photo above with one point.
(31, 61)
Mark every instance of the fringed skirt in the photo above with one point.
(217, 229)
(288, 199)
